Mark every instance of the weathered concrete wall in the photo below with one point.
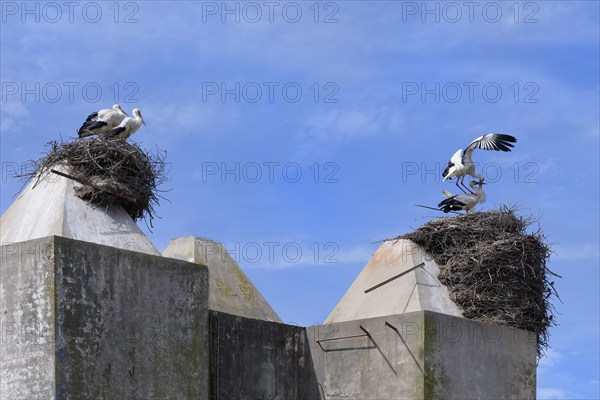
(423, 355)
(367, 359)
(253, 359)
(27, 315)
(82, 320)
(470, 359)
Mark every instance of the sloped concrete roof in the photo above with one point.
(230, 290)
(52, 209)
(416, 290)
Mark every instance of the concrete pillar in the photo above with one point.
(81, 320)
(422, 355)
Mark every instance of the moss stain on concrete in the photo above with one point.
(246, 287)
(434, 379)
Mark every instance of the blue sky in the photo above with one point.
(315, 128)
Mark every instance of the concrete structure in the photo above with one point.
(422, 355)
(50, 208)
(409, 352)
(91, 320)
(417, 355)
(230, 290)
(254, 359)
(81, 320)
(416, 287)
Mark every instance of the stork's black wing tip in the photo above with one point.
(114, 132)
(506, 138)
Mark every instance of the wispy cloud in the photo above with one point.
(582, 251)
(346, 125)
(548, 364)
(359, 254)
(12, 114)
(342, 124)
(547, 393)
(183, 118)
(551, 359)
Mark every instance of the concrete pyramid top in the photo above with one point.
(379, 290)
(230, 290)
(52, 209)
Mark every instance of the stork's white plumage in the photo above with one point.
(461, 163)
(464, 202)
(127, 127)
(102, 121)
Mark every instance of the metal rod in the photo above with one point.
(391, 326)
(339, 338)
(394, 277)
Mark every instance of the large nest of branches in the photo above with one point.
(494, 270)
(108, 172)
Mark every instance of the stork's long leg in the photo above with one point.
(458, 186)
(462, 181)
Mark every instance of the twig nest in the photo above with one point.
(494, 270)
(110, 172)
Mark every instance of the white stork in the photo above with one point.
(101, 122)
(127, 127)
(461, 163)
(463, 202)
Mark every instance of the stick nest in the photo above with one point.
(110, 172)
(494, 270)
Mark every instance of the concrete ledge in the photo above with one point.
(81, 320)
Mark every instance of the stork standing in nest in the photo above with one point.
(127, 127)
(102, 121)
(464, 202)
(461, 163)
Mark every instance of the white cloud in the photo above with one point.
(338, 124)
(359, 254)
(551, 370)
(550, 359)
(184, 118)
(352, 123)
(583, 251)
(552, 394)
(12, 115)
(294, 254)
(15, 109)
